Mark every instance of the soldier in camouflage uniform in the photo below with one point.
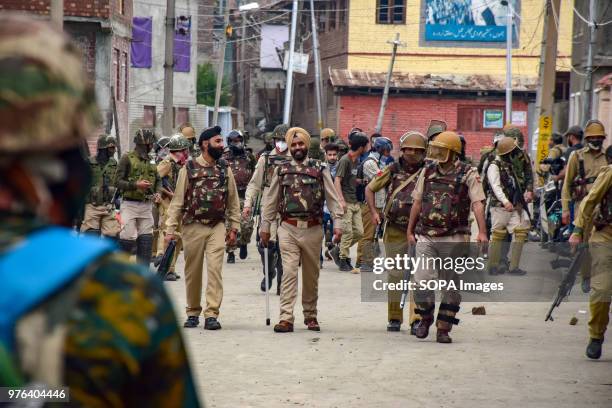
(508, 215)
(243, 165)
(257, 194)
(108, 332)
(445, 192)
(139, 184)
(521, 163)
(268, 145)
(399, 179)
(187, 130)
(297, 193)
(99, 215)
(168, 170)
(205, 196)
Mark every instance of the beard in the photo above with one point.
(215, 152)
(299, 154)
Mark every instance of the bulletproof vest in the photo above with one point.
(102, 181)
(399, 206)
(507, 181)
(206, 195)
(579, 187)
(271, 162)
(241, 169)
(301, 190)
(140, 169)
(446, 202)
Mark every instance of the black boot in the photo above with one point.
(144, 246)
(211, 323)
(243, 252)
(394, 325)
(231, 258)
(593, 350)
(345, 266)
(127, 245)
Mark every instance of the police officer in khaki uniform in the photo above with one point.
(327, 136)
(168, 170)
(446, 190)
(600, 244)
(139, 183)
(243, 165)
(187, 130)
(400, 180)
(256, 195)
(298, 191)
(205, 196)
(507, 213)
(99, 215)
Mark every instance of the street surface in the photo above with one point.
(508, 358)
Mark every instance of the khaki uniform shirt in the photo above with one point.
(255, 185)
(270, 209)
(587, 206)
(471, 179)
(164, 168)
(175, 211)
(593, 162)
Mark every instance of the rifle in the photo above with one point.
(565, 287)
(164, 264)
(166, 188)
(519, 196)
(407, 272)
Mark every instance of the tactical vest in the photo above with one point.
(206, 195)
(301, 190)
(506, 180)
(399, 206)
(241, 169)
(604, 218)
(580, 185)
(271, 162)
(140, 170)
(446, 203)
(102, 181)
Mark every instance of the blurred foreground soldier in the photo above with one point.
(507, 206)
(400, 180)
(168, 170)
(139, 183)
(86, 318)
(242, 165)
(99, 215)
(255, 199)
(297, 192)
(189, 132)
(446, 190)
(600, 246)
(204, 197)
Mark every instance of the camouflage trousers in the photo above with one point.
(245, 233)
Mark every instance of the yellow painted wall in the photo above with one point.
(365, 36)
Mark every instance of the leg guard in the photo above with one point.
(498, 237)
(446, 316)
(144, 244)
(425, 309)
(127, 245)
(520, 237)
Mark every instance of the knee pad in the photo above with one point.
(498, 235)
(520, 234)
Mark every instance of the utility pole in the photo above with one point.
(547, 70)
(167, 117)
(242, 76)
(588, 80)
(57, 14)
(508, 61)
(289, 84)
(221, 64)
(383, 103)
(317, 65)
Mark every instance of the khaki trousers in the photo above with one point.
(137, 219)
(295, 244)
(161, 243)
(352, 228)
(601, 281)
(365, 247)
(99, 217)
(200, 240)
(396, 243)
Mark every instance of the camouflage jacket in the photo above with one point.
(102, 183)
(123, 347)
(242, 167)
(399, 203)
(301, 194)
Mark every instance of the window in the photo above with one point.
(124, 76)
(332, 17)
(310, 96)
(182, 116)
(117, 72)
(391, 11)
(342, 12)
(474, 118)
(148, 117)
(301, 95)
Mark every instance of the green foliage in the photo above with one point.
(207, 84)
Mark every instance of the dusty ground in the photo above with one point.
(508, 358)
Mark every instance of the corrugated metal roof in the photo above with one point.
(402, 80)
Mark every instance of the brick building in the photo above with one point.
(102, 30)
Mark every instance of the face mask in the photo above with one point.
(215, 153)
(596, 144)
(281, 146)
(237, 148)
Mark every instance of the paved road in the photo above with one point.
(508, 358)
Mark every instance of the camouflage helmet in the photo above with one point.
(163, 142)
(594, 128)
(144, 136)
(178, 142)
(512, 131)
(187, 130)
(506, 145)
(280, 131)
(414, 140)
(234, 134)
(103, 141)
(267, 137)
(46, 101)
(435, 127)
